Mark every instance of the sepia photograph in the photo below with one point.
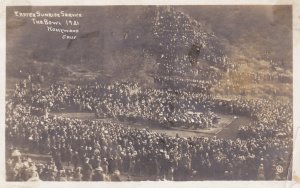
(149, 93)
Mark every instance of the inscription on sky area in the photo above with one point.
(65, 23)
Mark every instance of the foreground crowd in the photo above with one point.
(98, 150)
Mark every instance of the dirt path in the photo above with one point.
(231, 130)
(228, 127)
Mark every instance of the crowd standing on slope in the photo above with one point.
(96, 150)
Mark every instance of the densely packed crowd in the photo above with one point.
(255, 77)
(126, 100)
(104, 150)
(177, 33)
(193, 85)
(98, 150)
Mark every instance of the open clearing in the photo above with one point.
(227, 126)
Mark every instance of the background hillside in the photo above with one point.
(127, 42)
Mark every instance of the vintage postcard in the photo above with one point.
(164, 94)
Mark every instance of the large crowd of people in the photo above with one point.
(126, 100)
(199, 86)
(97, 150)
(177, 33)
(255, 77)
(102, 149)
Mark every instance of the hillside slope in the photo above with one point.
(137, 42)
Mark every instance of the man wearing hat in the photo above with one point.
(86, 170)
(98, 174)
(77, 174)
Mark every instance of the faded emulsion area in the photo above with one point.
(137, 93)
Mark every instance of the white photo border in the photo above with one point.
(204, 184)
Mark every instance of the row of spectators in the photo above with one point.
(23, 168)
(94, 144)
(124, 100)
(261, 151)
(251, 77)
(199, 86)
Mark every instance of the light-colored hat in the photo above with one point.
(99, 169)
